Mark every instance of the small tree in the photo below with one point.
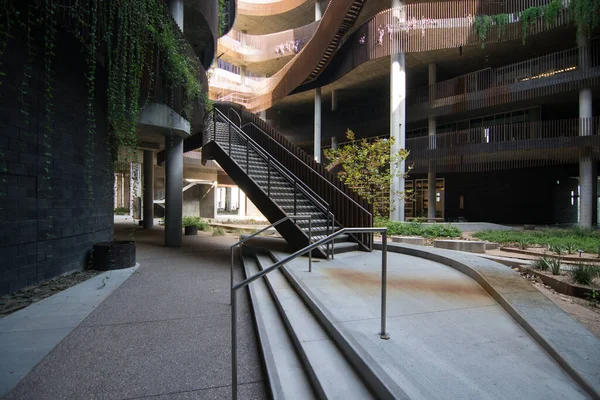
(366, 169)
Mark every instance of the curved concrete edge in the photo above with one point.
(571, 345)
(164, 119)
(382, 385)
(28, 335)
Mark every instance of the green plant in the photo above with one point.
(121, 211)
(529, 18)
(501, 21)
(593, 298)
(418, 229)
(571, 248)
(481, 25)
(584, 239)
(554, 265)
(585, 15)
(584, 273)
(218, 231)
(223, 16)
(367, 169)
(551, 11)
(524, 244)
(195, 221)
(542, 264)
(556, 248)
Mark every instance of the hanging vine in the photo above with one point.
(585, 15)
(48, 126)
(91, 104)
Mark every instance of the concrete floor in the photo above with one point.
(164, 333)
(449, 338)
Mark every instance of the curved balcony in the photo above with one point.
(508, 146)
(267, 8)
(541, 76)
(201, 28)
(428, 27)
(237, 47)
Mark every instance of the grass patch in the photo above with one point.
(584, 239)
(419, 229)
(121, 211)
(218, 231)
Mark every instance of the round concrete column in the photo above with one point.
(173, 192)
(148, 192)
(317, 144)
(587, 187)
(431, 175)
(176, 10)
(398, 131)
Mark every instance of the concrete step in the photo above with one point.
(285, 372)
(344, 247)
(330, 373)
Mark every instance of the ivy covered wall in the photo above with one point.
(55, 200)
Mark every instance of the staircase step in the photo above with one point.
(331, 374)
(287, 378)
(344, 247)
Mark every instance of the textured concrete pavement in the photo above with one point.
(164, 333)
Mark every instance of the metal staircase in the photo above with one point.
(271, 186)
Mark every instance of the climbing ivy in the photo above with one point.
(585, 15)
(223, 16)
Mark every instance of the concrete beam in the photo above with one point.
(161, 119)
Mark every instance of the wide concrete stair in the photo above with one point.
(302, 359)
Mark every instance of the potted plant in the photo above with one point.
(190, 224)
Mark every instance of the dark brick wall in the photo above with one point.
(49, 219)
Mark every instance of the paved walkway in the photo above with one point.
(164, 333)
(449, 339)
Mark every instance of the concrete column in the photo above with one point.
(318, 11)
(431, 175)
(148, 192)
(334, 100)
(317, 144)
(176, 10)
(243, 75)
(398, 130)
(173, 190)
(587, 198)
(334, 143)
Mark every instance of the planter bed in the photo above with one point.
(561, 286)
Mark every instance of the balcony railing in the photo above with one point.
(507, 146)
(534, 77)
(428, 26)
(255, 48)
(260, 8)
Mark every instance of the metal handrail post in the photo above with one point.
(286, 218)
(278, 264)
(309, 242)
(383, 334)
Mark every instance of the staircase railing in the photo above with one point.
(234, 132)
(349, 208)
(234, 288)
(274, 224)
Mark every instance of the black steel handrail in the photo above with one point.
(323, 205)
(315, 199)
(308, 166)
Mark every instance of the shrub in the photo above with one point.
(418, 229)
(584, 239)
(524, 244)
(541, 264)
(584, 273)
(218, 231)
(121, 211)
(195, 221)
(571, 248)
(554, 265)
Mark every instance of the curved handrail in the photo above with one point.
(236, 113)
(311, 168)
(382, 333)
(314, 197)
(274, 224)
